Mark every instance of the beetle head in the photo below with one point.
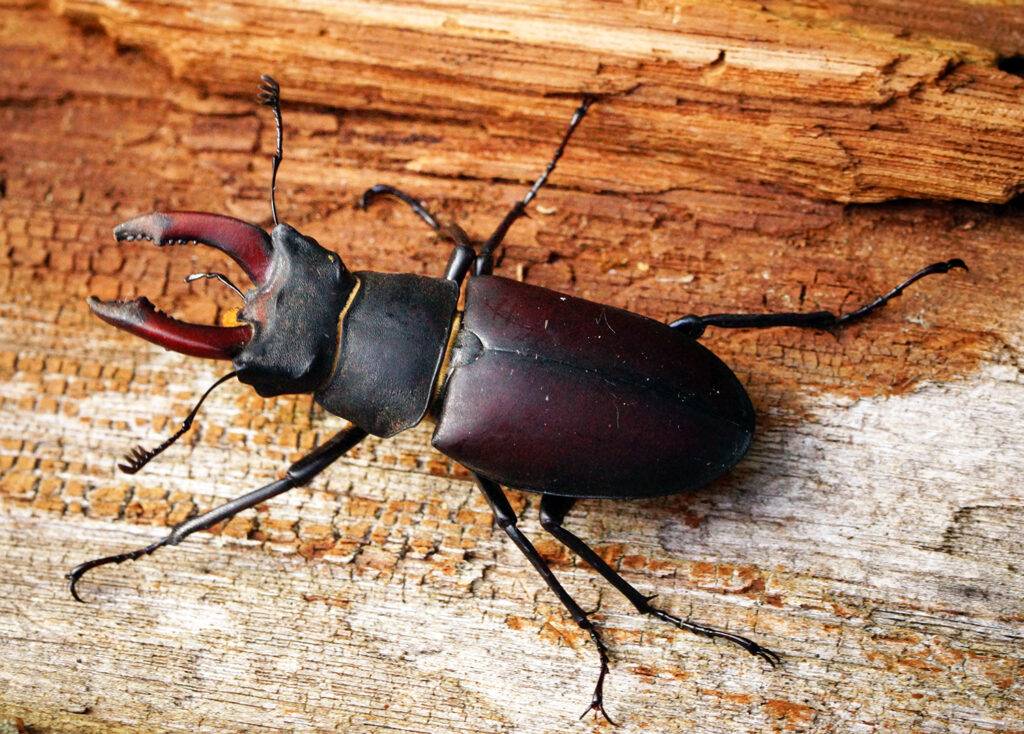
(285, 336)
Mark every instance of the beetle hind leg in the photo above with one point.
(694, 326)
(554, 509)
(506, 519)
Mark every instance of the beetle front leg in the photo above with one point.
(462, 256)
(299, 473)
(375, 192)
(506, 518)
(553, 510)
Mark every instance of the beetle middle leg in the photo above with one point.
(485, 260)
(464, 255)
(506, 518)
(553, 510)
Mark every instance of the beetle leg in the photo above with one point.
(485, 260)
(553, 510)
(299, 473)
(462, 256)
(506, 518)
(695, 325)
(458, 264)
(375, 192)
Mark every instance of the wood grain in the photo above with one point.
(779, 156)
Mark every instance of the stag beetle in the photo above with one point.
(528, 388)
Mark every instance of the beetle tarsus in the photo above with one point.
(375, 192)
(78, 571)
(597, 698)
(773, 658)
(506, 518)
(485, 261)
(464, 253)
(933, 269)
(553, 510)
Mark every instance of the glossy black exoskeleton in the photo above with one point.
(528, 388)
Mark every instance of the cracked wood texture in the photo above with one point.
(744, 157)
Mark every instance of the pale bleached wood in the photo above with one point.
(871, 536)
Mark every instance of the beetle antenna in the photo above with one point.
(138, 457)
(269, 95)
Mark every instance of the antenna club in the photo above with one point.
(269, 95)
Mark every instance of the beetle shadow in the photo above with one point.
(722, 520)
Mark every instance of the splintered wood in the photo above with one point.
(743, 157)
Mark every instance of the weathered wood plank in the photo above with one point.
(872, 535)
(831, 106)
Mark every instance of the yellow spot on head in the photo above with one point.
(230, 318)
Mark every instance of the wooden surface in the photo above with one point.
(780, 156)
